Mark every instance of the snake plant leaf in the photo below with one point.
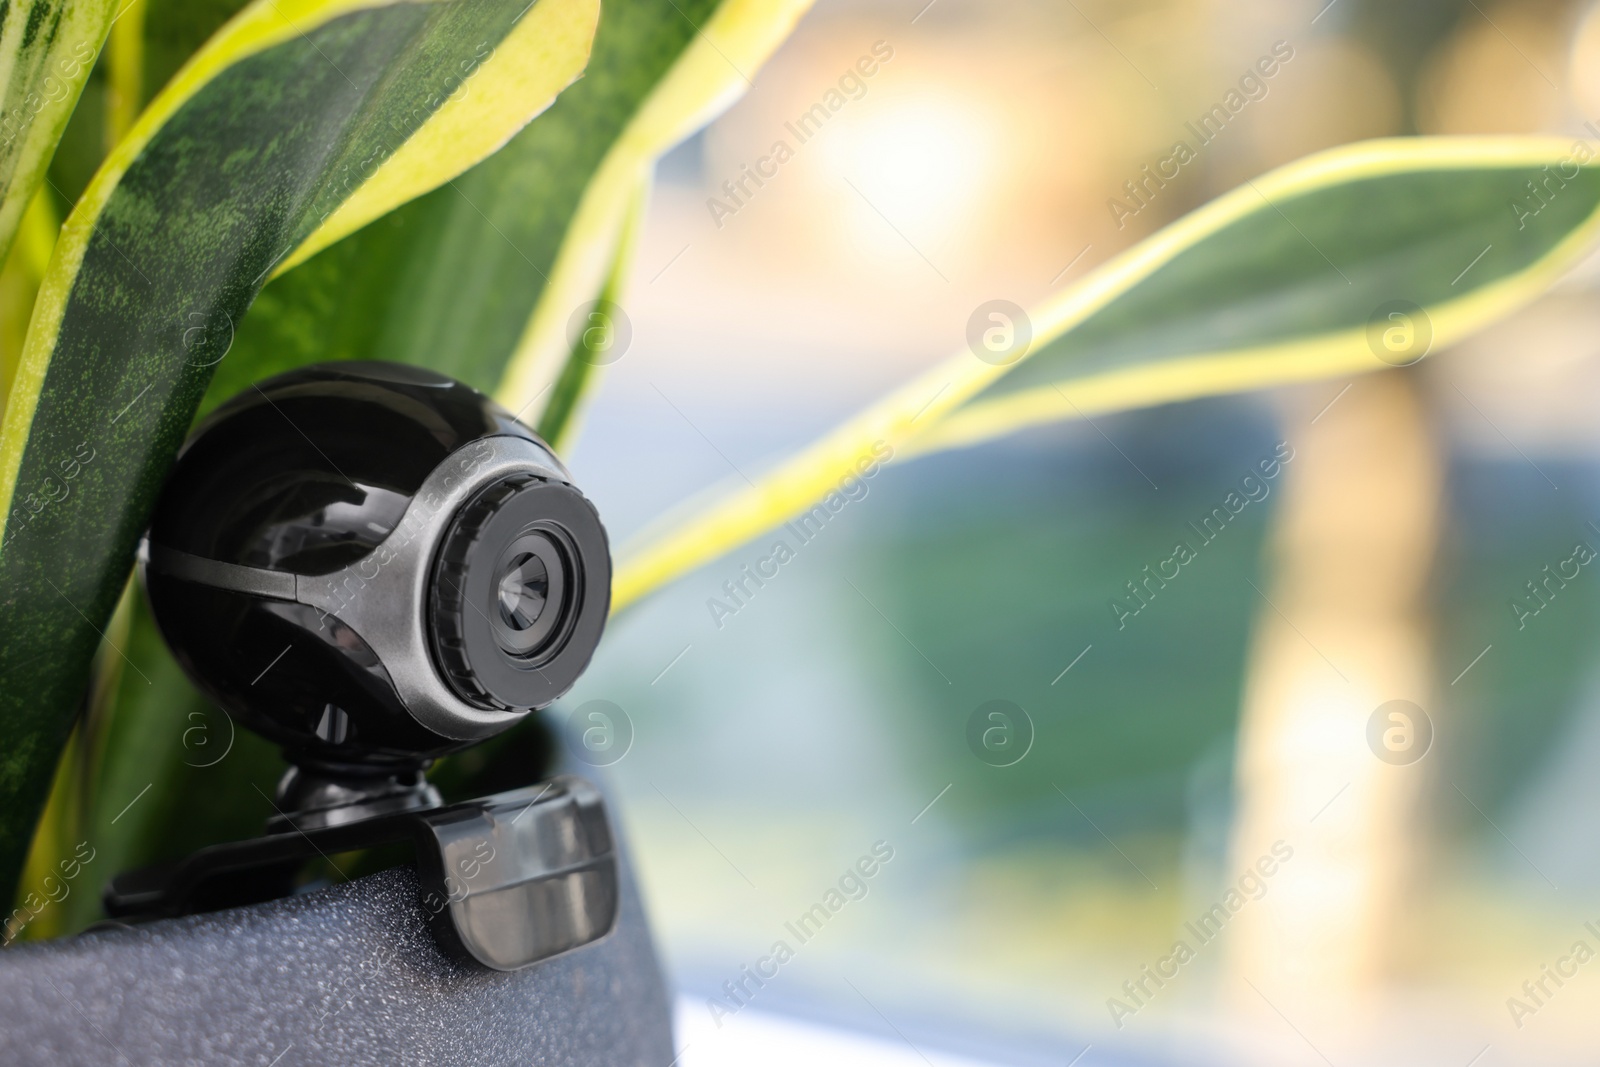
(1355, 259)
(450, 281)
(297, 122)
(19, 282)
(598, 342)
(713, 72)
(478, 280)
(47, 48)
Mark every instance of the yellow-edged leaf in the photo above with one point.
(1295, 276)
(707, 78)
(47, 49)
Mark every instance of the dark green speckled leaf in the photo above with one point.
(49, 48)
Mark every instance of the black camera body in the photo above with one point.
(375, 566)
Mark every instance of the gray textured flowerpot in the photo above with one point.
(345, 975)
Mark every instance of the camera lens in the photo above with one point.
(523, 590)
(530, 594)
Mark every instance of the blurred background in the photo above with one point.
(1396, 882)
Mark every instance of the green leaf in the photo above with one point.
(19, 282)
(593, 347)
(713, 71)
(47, 48)
(298, 122)
(1292, 277)
(478, 279)
(1240, 296)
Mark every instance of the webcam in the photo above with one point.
(373, 566)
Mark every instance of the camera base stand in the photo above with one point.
(506, 880)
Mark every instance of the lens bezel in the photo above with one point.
(465, 605)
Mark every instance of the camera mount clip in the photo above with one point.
(507, 880)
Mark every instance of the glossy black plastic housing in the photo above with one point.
(308, 474)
